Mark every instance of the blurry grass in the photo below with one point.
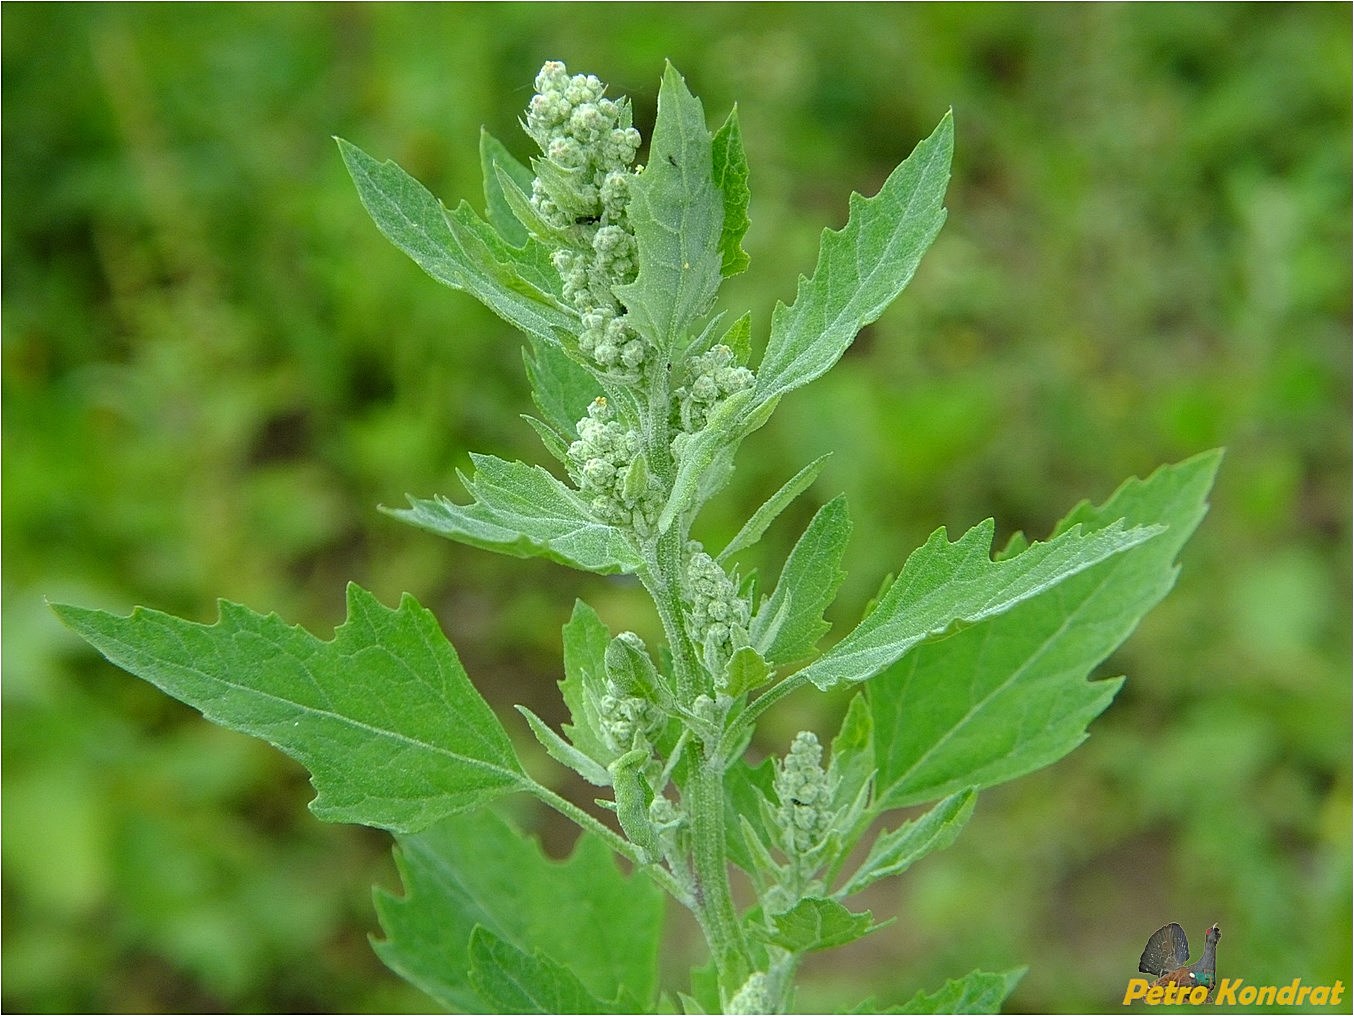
(214, 368)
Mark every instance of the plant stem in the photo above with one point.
(703, 794)
(662, 579)
(748, 717)
(714, 896)
(780, 979)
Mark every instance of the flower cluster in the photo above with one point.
(607, 463)
(623, 718)
(805, 794)
(714, 376)
(718, 620)
(582, 190)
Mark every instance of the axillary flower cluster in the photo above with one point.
(582, 189)
(582, 192)
(581, 195)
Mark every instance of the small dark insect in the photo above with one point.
(587, 220)
(1167, 952)
(672, 160)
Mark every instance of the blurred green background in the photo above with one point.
(215, 368)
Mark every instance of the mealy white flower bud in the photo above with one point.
(719, 616)
(753, 997)
(805, 794)
(633, 354)
(712, 378)
(591, 140)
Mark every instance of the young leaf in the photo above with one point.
(524, 511)
(852, 762)
(755, 527)
(739, 339)
(731, 177)
(497, 163)
(383, 715)
(705, 989)
(861, 268)
(747, 671)
(457, 248)
(553, 442)
(565, 753)
(976, 992)
(746, 789)
(947, 585)
(585, 641)
(700, 458)
(561, 387)
(1009, 696)
(819, 924)
(894, 852)
(808, 585)
(510, 981)
(478, 870)
(630, 668)
(677, 213)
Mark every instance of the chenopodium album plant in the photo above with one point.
(969, 670)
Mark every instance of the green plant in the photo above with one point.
(970, 670)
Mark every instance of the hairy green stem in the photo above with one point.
(664, 584)
(749, 716)
(714, 896)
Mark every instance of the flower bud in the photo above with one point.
(589, 145)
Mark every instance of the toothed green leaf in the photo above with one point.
(977, 992)
(946, 586)
(459, 250)
(677, 214)
(478, 871)
(819, 924)
(524, 511)
(383, 715)
(861, 268)
(790, 622)
(731, 177)
(895, 851)
(1002, 698)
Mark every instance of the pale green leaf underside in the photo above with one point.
(383, 715)
(895, 851)
(676, 213)
(523, 511)
(861, 268)
(977, 992)
(754, 528)
(458, 249)
(945, 584)
(477, 870)
(1010, 695)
